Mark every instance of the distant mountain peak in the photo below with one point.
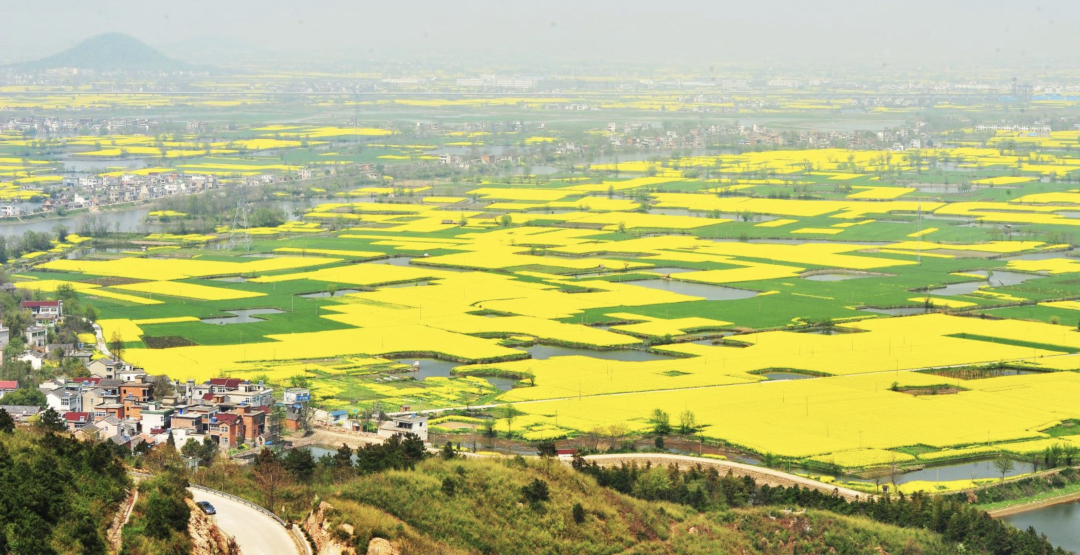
(110, 52)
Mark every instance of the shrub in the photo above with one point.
(536, 491)
(579, 513)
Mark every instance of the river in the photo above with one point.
(131, 218)
(1060, 523)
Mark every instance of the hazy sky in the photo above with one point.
(719, 31)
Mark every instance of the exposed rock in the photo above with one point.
(206, 537)
(116, 529)
(318, 527)
(380, 546)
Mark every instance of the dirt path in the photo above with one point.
(323, 436)
(760, 474)
(116, 531)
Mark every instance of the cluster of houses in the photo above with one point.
(90, 191)
(119, 403)
(123, 404)
(67, 126)
(463, 162)
(46, 315)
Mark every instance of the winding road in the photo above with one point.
(255, 533)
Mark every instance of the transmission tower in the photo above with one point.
(239, 236)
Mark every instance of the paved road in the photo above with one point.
(255, 533)
(101, 344)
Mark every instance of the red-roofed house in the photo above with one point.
(45, 311)
(220, 385)
(228, 429)
(7, 386)
(78, 420)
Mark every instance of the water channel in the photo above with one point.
(708, 292)
(435, 368)
(1060, 523)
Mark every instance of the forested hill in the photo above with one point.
(57, 495)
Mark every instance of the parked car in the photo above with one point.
(207, 507)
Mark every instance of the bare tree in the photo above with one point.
(595, 433)
(270, 475)
(116, 345)
(894, 471)
(1004, 465)
(509, 413)
(615, 433)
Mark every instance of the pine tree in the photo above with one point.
(51, 421)
(7, 424)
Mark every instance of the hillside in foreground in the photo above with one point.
(470, 506)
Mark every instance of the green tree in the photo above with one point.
(343, 457)
(300, 464)
(579, 513)
(660, 421)
(1069, 451)
(449, 486)
(536, 491)
(51, 421)
(687, 422)
(25, 397)
(653, 484)
(447, 453)
(299, 380)
(267, 217)
(547, 449)
(166, 511)
(7, 423)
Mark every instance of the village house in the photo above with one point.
(107, 427)
(230, 390)
(77, 420)
(36, 336)
(7, 386)
(45, 312)
(104, 368)
(21, 413)
(136, 391)
(34, 359)
(191, 422)
(227, 430)
(253, 420)
(64, 400)
(154, 416)
(399, 425)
